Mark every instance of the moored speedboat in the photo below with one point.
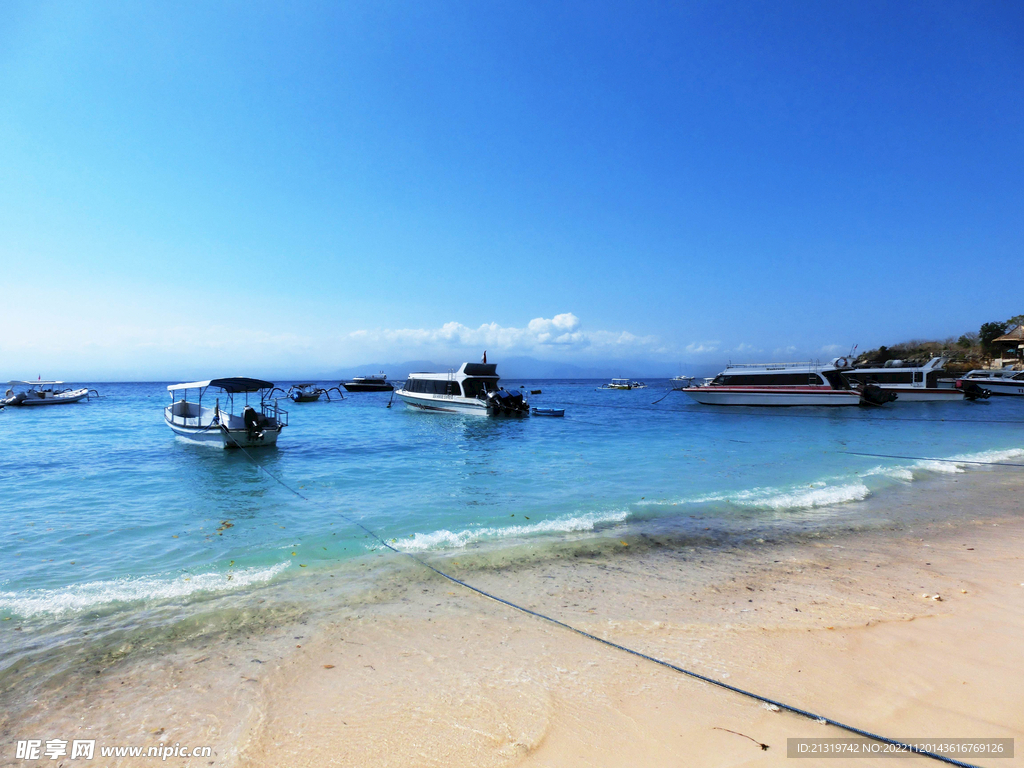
(220, 426)
(1003, 381)
(623, 384)
(472, 389)
(785, 384)
(378, 383)
(42, 393)
(924, 383)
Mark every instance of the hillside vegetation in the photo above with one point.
(971, 350)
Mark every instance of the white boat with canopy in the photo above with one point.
(623, 384)
(219, 424)
(42, 393)
(472, 389)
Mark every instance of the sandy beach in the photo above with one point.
(410, 669)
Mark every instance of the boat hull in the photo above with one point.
(217, 437)
(997, 387)
(923, 394)
(443, 403)
(772, 396)
(554, 412)
(352, 387)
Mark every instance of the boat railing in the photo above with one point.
(776, 366)
(272, 410)
(188, 414)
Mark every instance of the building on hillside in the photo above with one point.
(1009, 347)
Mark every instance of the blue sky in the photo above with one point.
(209, 188)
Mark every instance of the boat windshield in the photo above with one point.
(477, 387)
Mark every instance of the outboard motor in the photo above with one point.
(872, 394)
(972, 391)
(14, 399)
(252, 423)
(508, 403)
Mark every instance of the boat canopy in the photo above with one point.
(480, 369)
(234, 384)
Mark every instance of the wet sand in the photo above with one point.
(418, 671)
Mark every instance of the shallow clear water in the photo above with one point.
(102, 507)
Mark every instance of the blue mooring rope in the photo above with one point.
(609, 643)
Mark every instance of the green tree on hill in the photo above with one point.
(968, 340)
(988, 333)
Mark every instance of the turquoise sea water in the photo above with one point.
(102, 508)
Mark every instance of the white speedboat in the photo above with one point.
(471, 389)
(42, 393)
(623, 384)
(785, 384)
(1003, 381)
(219, 425)
(913, 384)
(369, 384)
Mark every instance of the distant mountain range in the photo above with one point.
(526, 368)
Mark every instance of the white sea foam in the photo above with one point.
(445, 539)
(82, 597)
(897, 473)
(969, 461)
(801, 497)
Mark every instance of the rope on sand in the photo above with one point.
(583, 633)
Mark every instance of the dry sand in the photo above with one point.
(430, 674)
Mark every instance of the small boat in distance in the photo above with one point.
(42, 393)
(786, 384)
(304, 393)
(222, 427)
(369, 384)
(1002, 381)
(472, 389)
(623, 384)
(556, 412)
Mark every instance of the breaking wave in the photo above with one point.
(81, 597)
(445, 539)
(812, 495)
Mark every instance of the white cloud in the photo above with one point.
(702, 347)
(563, 332)
(744, 347)
(784, 351)
(833, 349)
(118, 350)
